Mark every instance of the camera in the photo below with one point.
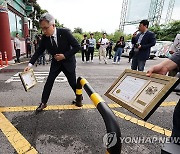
(136, 45)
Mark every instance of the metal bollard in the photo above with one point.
(112, 127)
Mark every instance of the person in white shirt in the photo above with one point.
(103, 42)
(17, 47)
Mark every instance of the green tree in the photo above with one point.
(78, 30)
(78, 36)
(166, 32)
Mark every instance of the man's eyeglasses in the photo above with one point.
(45, 28)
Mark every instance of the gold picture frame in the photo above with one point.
(140, 94)
(28, 79)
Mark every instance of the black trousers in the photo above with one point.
(28, 52)
(84, 53)
(90, 52)
(55, 69)
(18, 55)
(109, 51)
(176, 122)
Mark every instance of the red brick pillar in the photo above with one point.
(5, 36)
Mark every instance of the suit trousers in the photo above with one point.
(137, 64)
(56, 68)
(90, 52)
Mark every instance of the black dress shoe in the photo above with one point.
(41, 107)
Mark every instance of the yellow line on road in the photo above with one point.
(52, 107)
(143, 123)
(66, 107)
(20, 144)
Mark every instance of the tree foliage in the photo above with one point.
(166, 32)
(78, 30)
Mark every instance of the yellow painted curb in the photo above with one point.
(143, 123)
(20, 144)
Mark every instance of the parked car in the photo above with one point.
(163, 48)
(127, 48)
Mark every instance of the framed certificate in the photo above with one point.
(28, 79)
(140, 94)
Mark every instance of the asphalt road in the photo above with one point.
(61, 130)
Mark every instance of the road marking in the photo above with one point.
(143, 123)
(40, 76)
(66, 107)
(20, 144)
(52, 107)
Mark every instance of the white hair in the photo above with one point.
(47, 17)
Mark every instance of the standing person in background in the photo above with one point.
(143, 43)
(61, 44)
(174, 48)
(84, 48)
(92, 43)
(133, 42)
(109, 49)
(41, 59)
(17, 47)
(162, 68)
(120, 47)
(28, 46)
(103, 42)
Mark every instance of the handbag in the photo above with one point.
(98, 45)
(115, 48)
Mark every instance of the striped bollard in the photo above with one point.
(1, 62)
(113, 131)
(6, 59)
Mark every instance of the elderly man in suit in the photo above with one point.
(143, 43)
(62, 46)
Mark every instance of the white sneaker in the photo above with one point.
(118, 62)
(91, 61)
(113, 62)
(105, 62)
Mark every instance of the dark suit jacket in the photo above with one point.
(147, 42)
(67, 45)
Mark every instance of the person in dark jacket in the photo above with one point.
(61, 44)
(133, 41)
(84, 48)
(120, 47)
(162, 68)
(143, 43)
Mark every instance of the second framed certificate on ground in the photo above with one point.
(140, 94)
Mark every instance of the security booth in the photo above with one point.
(13, 19)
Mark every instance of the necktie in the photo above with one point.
(53, 42)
